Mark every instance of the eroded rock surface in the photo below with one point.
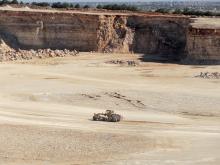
(174, 37)
(203, 39)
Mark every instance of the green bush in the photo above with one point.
(86, 6)
(188, 11)
(14, 2)
(2, 2)
(117, 7)
(99, 7)
(77, 6)
(162, 10)
(62, 5)
(177, 11)
(43, 4)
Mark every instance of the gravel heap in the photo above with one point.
(208, 75)
(13, 55)
(124, 62)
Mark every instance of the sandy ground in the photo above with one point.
(206, 23)
(170, 117)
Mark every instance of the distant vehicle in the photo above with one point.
(108, 116)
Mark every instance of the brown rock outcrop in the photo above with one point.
(114, 35)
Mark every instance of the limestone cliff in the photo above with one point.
(114, 35)
(173, 37)
(203, 39)
(141, 34)
(49, 30)
(159, 35)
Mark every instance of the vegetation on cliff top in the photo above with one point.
(66, 5)
(118, 7)
(2, 2)
(71, 5)
(187, 11)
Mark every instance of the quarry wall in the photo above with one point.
(139, 34)
(203, 44)
(31, 30)
(170, 36)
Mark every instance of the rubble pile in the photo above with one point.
(123, 62)
(208, 75)
(13, 55)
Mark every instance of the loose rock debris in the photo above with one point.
(209, 75)
(115, 95)
(124, 62)
(95, 97)
(136, 103)
(13, 55)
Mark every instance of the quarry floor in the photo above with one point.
(170, 117)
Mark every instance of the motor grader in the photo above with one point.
(108, 116)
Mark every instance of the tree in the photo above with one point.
(186, 11)
(4, 2)
(177, 11)
(77, 6)
(57, 5)
(99, 6)
(118, 7)
(162, 10)
(42, 4)
(65, 5)
(14, 2)
(86, 7)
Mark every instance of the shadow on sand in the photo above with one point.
(183, 60)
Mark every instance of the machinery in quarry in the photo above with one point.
(108, 116)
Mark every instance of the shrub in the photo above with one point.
(117, 7)
(188, 11)
(62, 5)
(177, 11)
(162, 10)
(86, 7)
(99, 7)
(77, 6)
(43, 4)
(14, 2)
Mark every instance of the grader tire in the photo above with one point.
(115, 118)
(95, 118)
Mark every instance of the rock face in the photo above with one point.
(114, 35)
(173, 37)
(143, 34)
(203, 40)
(159, 35)
(33, 30)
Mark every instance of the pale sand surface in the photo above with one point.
(206, 23)
(46, 107)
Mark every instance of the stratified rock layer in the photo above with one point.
(203, 39)
(173, 37)
(36, 30)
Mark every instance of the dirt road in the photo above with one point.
(170, 117)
